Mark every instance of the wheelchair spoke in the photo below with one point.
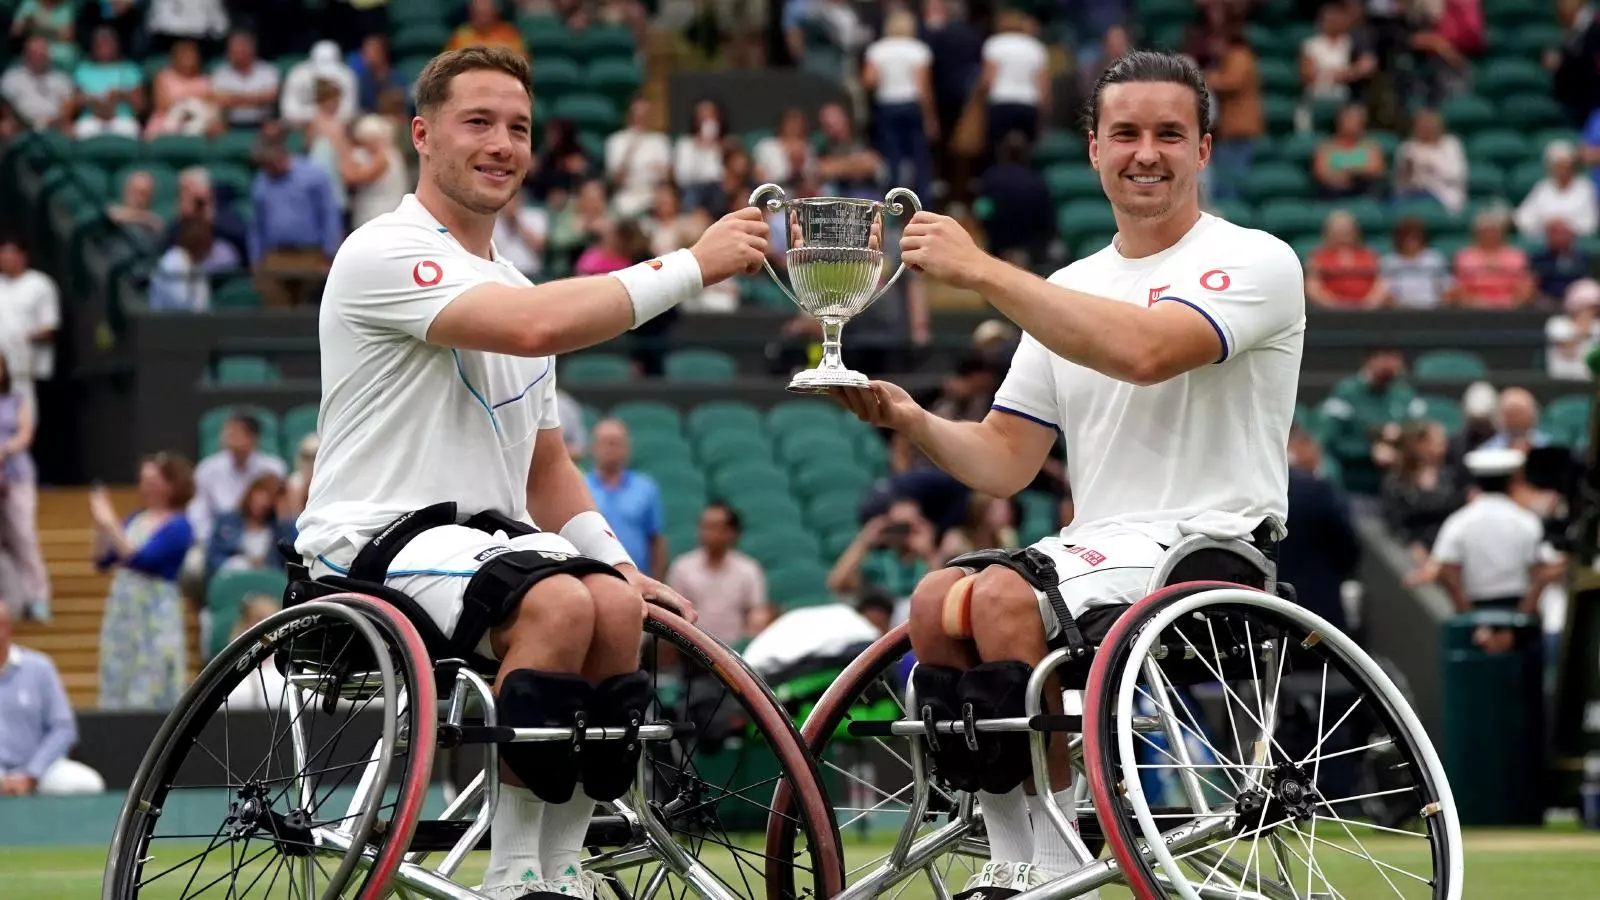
(1189, 767)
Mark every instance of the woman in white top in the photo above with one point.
(1562, 195)
(1432, 163)
(896, 68)
(1016, 78)
(327, 141)
(637, 160)
(1572, 337)
(373, 170)
(786, 158)
(697, 159)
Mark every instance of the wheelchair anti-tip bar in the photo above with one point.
(1044, 722)
(452, 736)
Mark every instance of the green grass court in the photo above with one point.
(1550, 864)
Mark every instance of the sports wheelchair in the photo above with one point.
(1224, 741)
(320, 791)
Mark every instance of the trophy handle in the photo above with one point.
(897, 208)
(773, 206)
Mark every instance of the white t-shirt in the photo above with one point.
(404, 423)
(897, 60)
(29, 304)
(1496, 542)
(1205, 452)
(639, 161)
(1328, 57)
(1017, 59)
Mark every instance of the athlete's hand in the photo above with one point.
(655, 592)
(939, 247)
(880, 404)
(735, 244)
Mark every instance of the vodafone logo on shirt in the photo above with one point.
(1215, 280)
(427, 273)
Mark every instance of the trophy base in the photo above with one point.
(820, 381)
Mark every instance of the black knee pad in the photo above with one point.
(998, 690)
(938, 693)
(531, 699)
(608, 767)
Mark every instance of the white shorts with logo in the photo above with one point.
(1105, 570)
(434, 568)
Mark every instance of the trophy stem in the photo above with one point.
(831, 359)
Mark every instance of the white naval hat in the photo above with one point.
(1495, 462)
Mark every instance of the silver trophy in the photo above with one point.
(835, 262)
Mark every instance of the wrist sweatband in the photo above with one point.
(591, 534)
(660, 284)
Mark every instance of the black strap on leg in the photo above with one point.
(491, 521)
(372, 563)
(1039, 571)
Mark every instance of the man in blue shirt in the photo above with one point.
(37, 727)
(629, 500)
(297, 227)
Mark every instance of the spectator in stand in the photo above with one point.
(1016, 78)
(1343, 273)
(52, 20)
(298, 102)
(621, 245)
(110, 91)
(197, 200)
(520, 233)
(1359, 409)
(1349, 163)
(327, 142)
(1491, 273)
(1022, 220)
(171, 22)
(1572, 63)
(891, 552)
(786, 158)
(897, 70)
(1573, 336)
(181, 281)
(30, 314)
(374, 71)
(19, 495)
(1560, 261)
(373, 170)
(563, 164)
(1492, 553)
(133, 211)
(1518, 423)
(37, 725)
(1563, 194)
(1114, 43)
(245, 87)
(957, 50)
(668, 226)
(579, 223)
(1334, 64)
(1240, 119)
(221, 480)
(697, 159)
(738, 178)
(142, 639)
(1323, 551)
(1589, 153)
(1418, 275)
(182, 97)
(638, 161)
(989, 522)
(630, 500)
(36, 89)
(1420, 489)
(729, 588)
(1445, 34)
(1480, 403)
(1431, 163)
(298, 485)
(846, 166)
(484, 27)
(246, 539)
(297, 226)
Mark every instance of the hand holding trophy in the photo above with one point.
(835, 257)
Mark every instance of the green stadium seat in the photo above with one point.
(1468, 114)
(745, 475)
(1485, 180)
(235, 293)
(1236, 211)
(1444, 410)
(722, 448)
(1290, 219)
(1057, 146)
(1449, 365)
(212, 420)
(1531, 111)
(700, 365)
(661, 448)
(226, 594)
(601, 41)
(89, 179)
(555, 76)
(418, 38)
(798, 446)
(546, 40)
(1566, 420)
(822, 476)
(1279, 111)
(1501, 146)
(723, 415)
(1088, 246)
(616, 77)
(245, 369)
(1521, 180)
(1371, 216)
(1298, 149)
(798, 584)
(1278, 76)
(834, 511)
(649, 416)
(178, 150)
(764, 293)
(596, 368)
(1276, 181)
(676, 475)
(298, 422)
(681, 509)
(1433, 214)
(106, 150)
(1073, 181)
(234, 146)
(762, 502)
(681, 538)
(835, 542)
(802, 414)
(233, 178)
(1508, 75)
(415, 12)
(1531, 39)
(1083, 217)
(588, 112)
(778, 549)
(872, 451)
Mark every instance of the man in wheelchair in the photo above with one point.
(1169, 363)
(442, 474)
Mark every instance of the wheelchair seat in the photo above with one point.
(439, 646)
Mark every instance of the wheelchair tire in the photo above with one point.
(1189, 633)
(254, 811)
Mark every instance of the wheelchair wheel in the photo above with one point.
(299, 758)
(1230, 740)
(712, 790)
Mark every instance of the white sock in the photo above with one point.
(514, 842)
(1050, 851)
(562, 832)
(1005, 817)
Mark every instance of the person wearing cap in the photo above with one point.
(1492, 552)
(1562, 194)
(1359, 409)
(298, 102)
(1575, 333)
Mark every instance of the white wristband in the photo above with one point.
(591, 534)
(660, 284)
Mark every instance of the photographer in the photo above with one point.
(891, 552)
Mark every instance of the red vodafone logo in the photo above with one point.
(1215, 280)
(427, 273)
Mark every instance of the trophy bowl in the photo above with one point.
(836, 261)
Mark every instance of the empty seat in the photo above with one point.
(595, 368)
(1449, 365)
(720, 415)
(649, 416)
(798, 583)
(245, 370)
(212, 420)
(722, 448)
(226, 595)
(1444, 410)
(298, 422)
(700, 365)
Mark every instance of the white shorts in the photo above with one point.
(1107, 570)
(434, 568)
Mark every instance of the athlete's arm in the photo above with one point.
(556, 491)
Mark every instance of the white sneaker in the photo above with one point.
(583, 886)
(1004, 879)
